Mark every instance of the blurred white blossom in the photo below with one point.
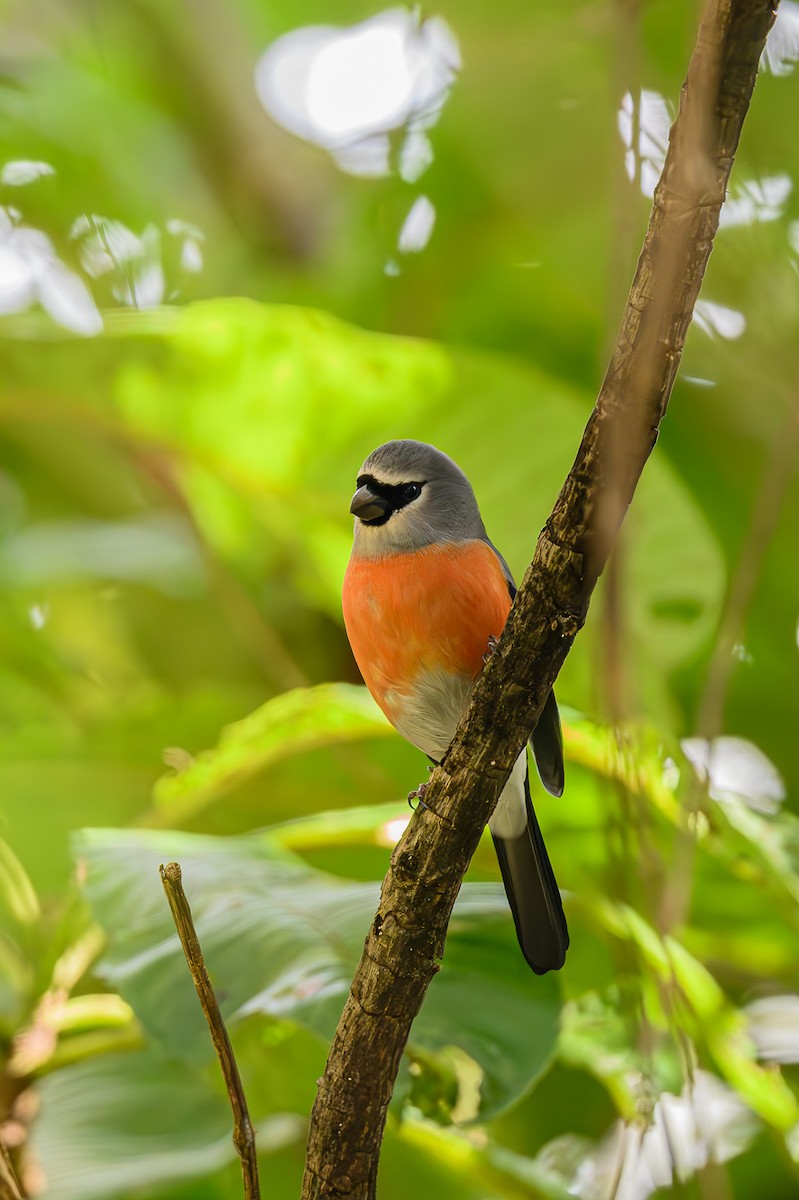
(134, 262)
(736, 770)
(717, 320)
(774, 1028)
(644, 126)
(348, 88)
(23, 170)
(706, 1122)
(31, 272)
(756, 200)
(191, 239)
(418, 226)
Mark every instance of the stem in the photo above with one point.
(243, 1133)
(9, 1184)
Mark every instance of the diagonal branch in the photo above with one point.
(406, 939)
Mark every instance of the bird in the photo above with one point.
(425, 597)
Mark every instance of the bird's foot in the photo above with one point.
(418, 794)
(493, 642)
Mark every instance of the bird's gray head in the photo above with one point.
(411, 495)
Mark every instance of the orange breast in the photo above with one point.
(410, 613)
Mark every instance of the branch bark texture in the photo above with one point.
(406, 939)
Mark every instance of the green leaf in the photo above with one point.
(17, 976)
(421, 1158)
(289, 724)
(306, 396)
(698, 1007)
(283, 940)
(282, 371)
(17, 894)
(125, 1122)
(368, 825)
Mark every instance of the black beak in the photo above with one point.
(368, 506)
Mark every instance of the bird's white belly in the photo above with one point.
(428, 716)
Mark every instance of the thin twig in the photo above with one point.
(243, 1133)
(9, 1185)
(406, 938)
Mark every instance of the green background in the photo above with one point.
(175, 680)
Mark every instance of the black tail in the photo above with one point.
(533, 895)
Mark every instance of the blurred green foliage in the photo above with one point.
(174, 677)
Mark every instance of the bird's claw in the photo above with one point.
(493, 642)
(418, 794)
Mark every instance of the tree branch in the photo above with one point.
(243, 1133)
(406, 939)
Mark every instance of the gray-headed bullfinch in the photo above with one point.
(425, 596)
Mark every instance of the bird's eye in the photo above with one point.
(410, 491)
